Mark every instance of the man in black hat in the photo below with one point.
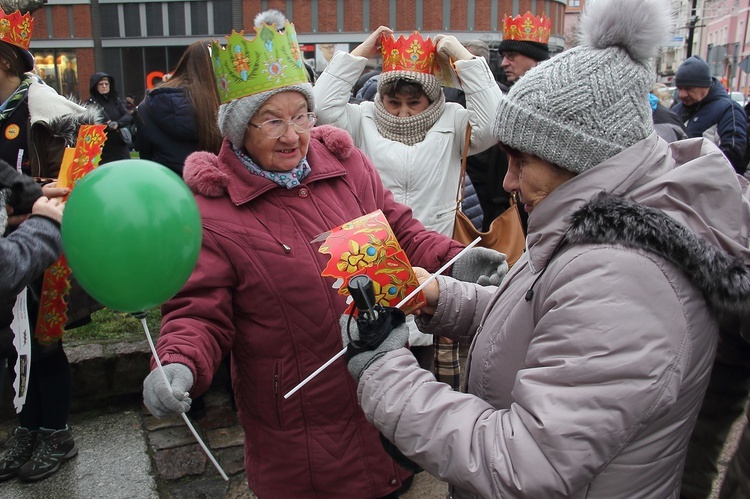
(522, 49)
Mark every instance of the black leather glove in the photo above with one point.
(389, 332)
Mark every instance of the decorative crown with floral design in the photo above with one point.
(412, 53)
(16, 28)
(247, 67)
(527, 28)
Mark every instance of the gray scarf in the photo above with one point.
(412, 129)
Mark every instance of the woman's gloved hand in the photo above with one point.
(162, 400)
(360, 361)
(449, 46)
(483, 266)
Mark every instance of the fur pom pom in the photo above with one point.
(272, 17)
(640, 27)
(203, 176)
(336, 140)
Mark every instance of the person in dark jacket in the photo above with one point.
(707, 111)
(178, 117)
(666, 123)
(104, 95)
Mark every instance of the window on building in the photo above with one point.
(154, 21)
(132, 18)
(199, 18)
(176, 18)
(222, 17)
(59, 70)
(574, 3)
(110, 20)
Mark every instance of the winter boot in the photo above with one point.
(20, 448)
(53, 447)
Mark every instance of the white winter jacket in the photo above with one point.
(423, 176)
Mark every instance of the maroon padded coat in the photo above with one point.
(279, 318)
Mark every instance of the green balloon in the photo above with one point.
(131, 233)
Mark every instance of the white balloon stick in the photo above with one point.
(184, 416)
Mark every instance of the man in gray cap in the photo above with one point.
(707, 111)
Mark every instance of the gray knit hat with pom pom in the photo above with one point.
(589, 103)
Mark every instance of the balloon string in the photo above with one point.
(401, 304)
(184, 416)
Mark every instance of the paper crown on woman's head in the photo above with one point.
(412, 53)
(15, 29)
(527, 28)
(269, 61)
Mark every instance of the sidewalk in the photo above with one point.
(112, 461)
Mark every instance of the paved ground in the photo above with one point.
(111, 463)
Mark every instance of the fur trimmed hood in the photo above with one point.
(724, 280)
(62, 116)
(204, 174)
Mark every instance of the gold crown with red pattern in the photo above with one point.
(16, 28)
(412, 53)
(527, 28)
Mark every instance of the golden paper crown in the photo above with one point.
(16, 28)
(247, 67)
(413, 53)
(527, 28)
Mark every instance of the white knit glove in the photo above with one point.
(449, 46)
(162, 400)
(481, 265)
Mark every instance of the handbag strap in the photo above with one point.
(462, 178)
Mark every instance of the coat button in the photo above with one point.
(392, 481)
(303, 193)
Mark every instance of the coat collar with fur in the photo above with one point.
(724, 280)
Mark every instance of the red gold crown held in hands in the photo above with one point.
(527, 28)
(412, 53)
(16, 29)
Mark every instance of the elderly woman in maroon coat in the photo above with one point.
(257, 293)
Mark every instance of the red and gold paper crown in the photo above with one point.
(367, 246)
(16, 28)
(413, 53)
(527, 28)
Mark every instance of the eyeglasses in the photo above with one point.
(273, 129)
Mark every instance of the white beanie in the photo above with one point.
(235, 115)
(591, 102)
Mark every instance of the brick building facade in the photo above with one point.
(136, 41)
